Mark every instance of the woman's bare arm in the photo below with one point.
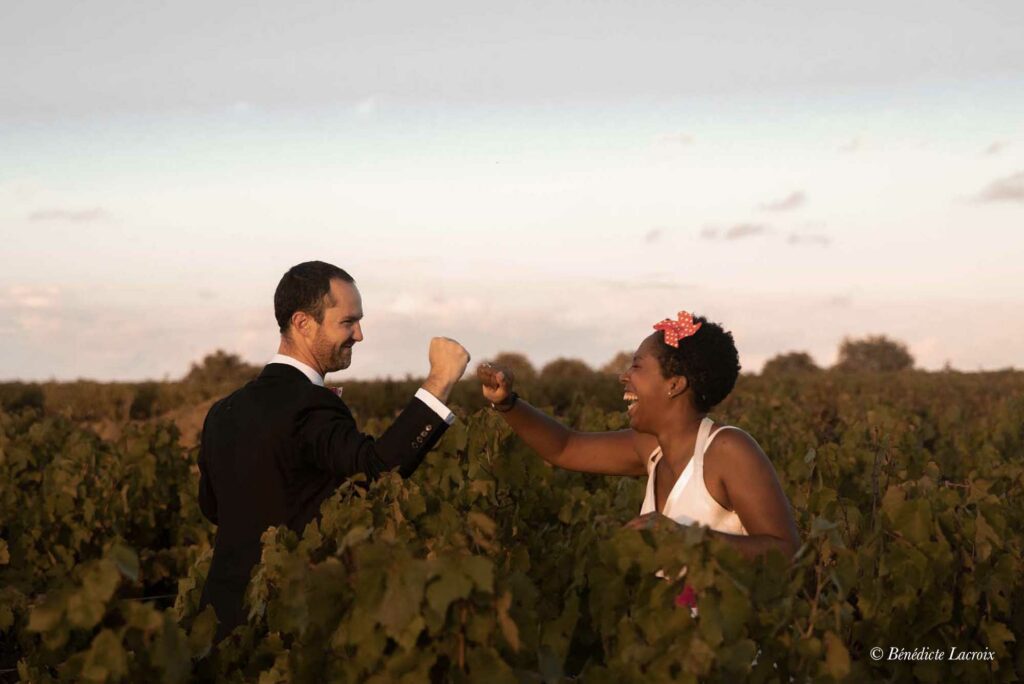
(621, 452)
(738, 471)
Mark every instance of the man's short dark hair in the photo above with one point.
(707, 359)
(305, 287)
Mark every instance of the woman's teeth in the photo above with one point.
(631, 399)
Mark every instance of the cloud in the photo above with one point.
(841, 301)
(30, 311)
(69, 215)
(649, 284)
(743, 230)
(996, 147)
(653, 236)
(794, 200)
(1008, 189)
(676, 139)
(38, 324)
(735, 232)
(438, 307)
(852, 145)
(815, 239)
(366, 107)
(29, 297)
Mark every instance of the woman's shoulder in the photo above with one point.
(645, 446)
(730, 446)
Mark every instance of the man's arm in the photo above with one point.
(336, 445)
(333, 442)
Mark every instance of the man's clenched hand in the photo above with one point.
(448, 361)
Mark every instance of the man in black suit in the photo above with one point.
(274, 450)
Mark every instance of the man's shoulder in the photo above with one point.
(224, 403)
(284, 392)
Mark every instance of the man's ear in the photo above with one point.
(302, 324)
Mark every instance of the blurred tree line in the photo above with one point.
(559, 384)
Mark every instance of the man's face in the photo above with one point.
(332, 343)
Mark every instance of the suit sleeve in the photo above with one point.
(207, 500)
(333, 443)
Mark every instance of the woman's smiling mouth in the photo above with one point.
(631, 398)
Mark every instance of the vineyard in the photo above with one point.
(489, 565)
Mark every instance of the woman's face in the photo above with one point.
(646, 390)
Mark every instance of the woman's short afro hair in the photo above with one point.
(707, 359)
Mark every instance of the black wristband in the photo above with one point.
(507, 406)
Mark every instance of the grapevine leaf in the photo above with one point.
(171, 651)
(47, 615)
(200, 638)
(402, 597)
(6, 617)
(126, 560)
(998, 635)
(837, 658)
(106, 659)
(448, 587)
(508, 626)
(481, 571)
(84, 611)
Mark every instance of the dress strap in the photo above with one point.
(714, 434)
(700, 446)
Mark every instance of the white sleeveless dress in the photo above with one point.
(689, 502)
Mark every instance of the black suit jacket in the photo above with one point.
(271, 453)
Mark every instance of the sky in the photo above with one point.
(549, 178)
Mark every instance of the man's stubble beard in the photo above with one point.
(344, 358)
(332, 357)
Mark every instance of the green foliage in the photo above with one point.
(520, 366)
(144, 403)
(877, 354)
(792, 362)
(488, 564)
(17, 396)
(618, 364)
(566, 370)
(218, 371)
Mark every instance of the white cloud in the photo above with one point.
(367, 107)
(996, 147)
(675, 139)
(815, 239)
(792, 201)
(653, 235)
(1007, 189)
(34, 324)
(69, 215)
(854, 144)
(29, 297)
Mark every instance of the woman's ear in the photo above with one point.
(677, 386)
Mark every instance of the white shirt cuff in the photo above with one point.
(436, 404)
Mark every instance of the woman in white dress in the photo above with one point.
(698, 472)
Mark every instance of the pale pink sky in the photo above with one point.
(538, 180)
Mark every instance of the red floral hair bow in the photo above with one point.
(677, 330)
